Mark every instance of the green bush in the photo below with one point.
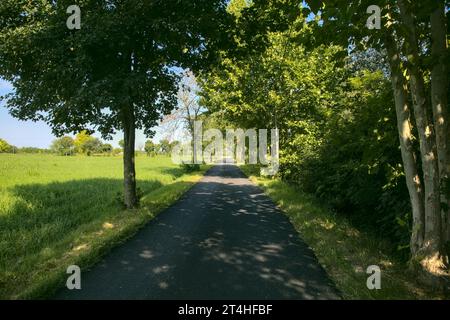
(353, 162)
(190, 167)
(5, 147)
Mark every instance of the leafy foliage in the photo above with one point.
(336, 116)
(119, 72)
(150, 148)
(5, 147)
(87, 144)
(63, 146)
(122, 55)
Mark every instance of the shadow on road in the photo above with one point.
(224, 239)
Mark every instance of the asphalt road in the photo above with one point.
(224, 239)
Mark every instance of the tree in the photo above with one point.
(106, 148)
(86, 144)
(63, 146)
(413, 35)
(165, 147)
(440, 104)
(115, 73)
(284, 86)
(92, 145)
(187, 111)
(5, 147)
(150, 148)
(174, 144)
(32, 150)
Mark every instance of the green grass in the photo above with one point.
(57, 211)
(342, 250)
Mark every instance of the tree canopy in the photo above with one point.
(117, 72)
(345, 96)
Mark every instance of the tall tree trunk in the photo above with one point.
(129, 181)
(413, 181)
(430, 255)
(439, 87)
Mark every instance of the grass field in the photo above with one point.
(56, 211)
(342, 250)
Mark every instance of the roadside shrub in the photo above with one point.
(190, 167)
(353, 162)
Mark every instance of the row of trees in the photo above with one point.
(344, 97)
(413, 36)
(84, 143)
(5, 147)
(164, 147)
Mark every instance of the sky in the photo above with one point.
(39, 134)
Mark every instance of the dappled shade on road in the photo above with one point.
(224, 239)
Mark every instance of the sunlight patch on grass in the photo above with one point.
(108, 225)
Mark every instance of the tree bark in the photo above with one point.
(129, 182)
(439, 87)
(430, 256)
(413, 181)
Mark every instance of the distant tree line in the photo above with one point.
(164, 147)
(5, 147)
(85, 144)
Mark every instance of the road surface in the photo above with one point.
(224, 239)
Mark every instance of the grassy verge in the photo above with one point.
(59, 211)
(342, 250)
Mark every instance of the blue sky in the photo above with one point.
(39, 134)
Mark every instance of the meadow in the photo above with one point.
(56, 211)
